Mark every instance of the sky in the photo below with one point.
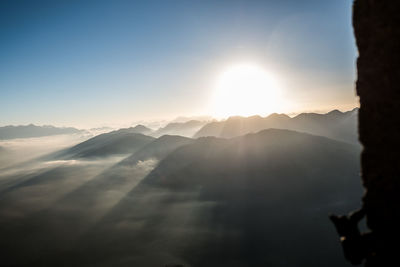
(94, 63)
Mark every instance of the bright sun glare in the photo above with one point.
(246, 90)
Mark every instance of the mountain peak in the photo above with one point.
(141, 128)
(278, 116)
(334, 112)
(138, 129)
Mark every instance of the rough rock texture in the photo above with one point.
(377, 31)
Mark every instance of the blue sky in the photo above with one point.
(91, 63)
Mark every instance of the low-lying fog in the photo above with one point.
(18, 150)
(261, 199)
(46, 205)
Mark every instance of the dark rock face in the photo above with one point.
(377, 31)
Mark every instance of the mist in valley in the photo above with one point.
(123, 198)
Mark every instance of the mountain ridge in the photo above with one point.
(334, 124)
(186, 129)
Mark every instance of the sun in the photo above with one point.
(245, 90)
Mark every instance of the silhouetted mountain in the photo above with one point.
(158, 149)
(138, 129)
(123, 141)
(11, 132)
(187, 129)
(335, 124)
(265, 149)
(236, 126)
(258, 200)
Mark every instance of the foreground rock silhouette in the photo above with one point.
(377, 31)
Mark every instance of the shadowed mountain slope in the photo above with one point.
(335, 124)
(157, 149)
(124, 141)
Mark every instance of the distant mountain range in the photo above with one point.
(335, 124)
(11, 132)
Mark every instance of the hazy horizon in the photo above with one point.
(154, 124)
